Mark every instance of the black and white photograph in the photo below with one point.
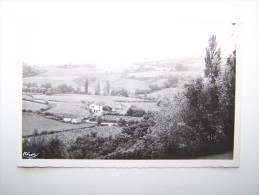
(129, 97)
(127, 86)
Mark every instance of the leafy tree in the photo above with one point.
(226, 86)
(99, 120)
(135, 111)
(47, 85)
(64, 88)
(154, 87)
(212, 60)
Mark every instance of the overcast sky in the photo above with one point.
(111, 34)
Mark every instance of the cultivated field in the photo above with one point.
(68, 109)
(33, 106)
(32, 123)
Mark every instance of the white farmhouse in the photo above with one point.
(95, 108)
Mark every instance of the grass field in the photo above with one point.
(69, 109)
(32, 122)
(33, 106)
(72, 103)
(88, 98)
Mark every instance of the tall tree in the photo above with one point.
(212, 60)
(86, 86)
(226, 86)
(97, 89)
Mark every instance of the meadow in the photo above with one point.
(33, 106)
(33, 123)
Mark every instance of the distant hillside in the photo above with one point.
(29, 71)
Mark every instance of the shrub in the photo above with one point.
(122, 122)
(107, 108)
(99, 120)
(120, 92)
(154, 87)
(35, 132)
(135, 111)
(92, 146)
(44, 132)
(47, 149)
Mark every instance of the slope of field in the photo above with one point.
(68, 109)
(57, 76)
(54, 80)
(71, 104)
(27, 97)
(33, 106)
(32, 122)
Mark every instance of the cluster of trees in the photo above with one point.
(203, 116)
(120, 92)
(135, 111)
(48, 89)
(29, 70)
(171, 82)
(97, 88)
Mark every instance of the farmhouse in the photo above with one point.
(95, 108)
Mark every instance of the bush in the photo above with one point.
(135, 111)
(47, 149)
(92, 147)
(35, 132)
(122, 122)
(120, 92)
(154, 87)
(107, 108)
(99, 120)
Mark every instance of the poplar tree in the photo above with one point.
(212, 60)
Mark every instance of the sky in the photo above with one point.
(111, 34)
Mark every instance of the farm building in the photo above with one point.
(77, 120)
(67, 119)
(95, 108)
